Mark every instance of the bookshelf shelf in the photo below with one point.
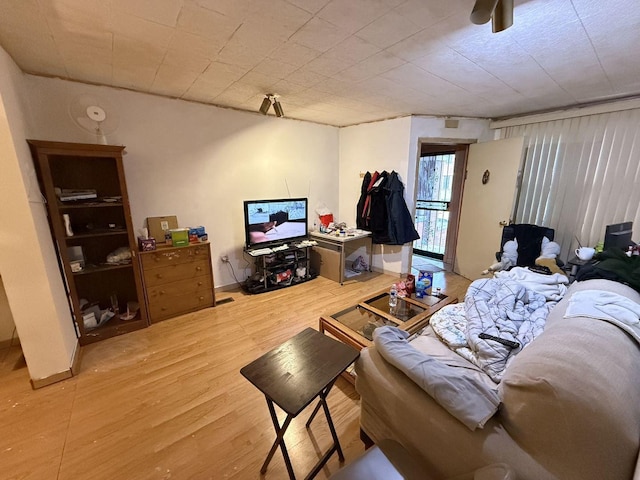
(99, 228)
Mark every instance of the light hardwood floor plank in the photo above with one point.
(168, 401)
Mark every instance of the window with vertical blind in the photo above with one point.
(580, 174)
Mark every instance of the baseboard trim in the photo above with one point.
(74, 369)
(76, 360)
(55, 378)
(12, 342)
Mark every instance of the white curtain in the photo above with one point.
(580, 174)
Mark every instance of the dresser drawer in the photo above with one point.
(171, 256)
(170, 306)
(198, 285)
(173, 273)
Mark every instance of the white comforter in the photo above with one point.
(513, 305)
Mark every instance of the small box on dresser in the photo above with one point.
(177, 280)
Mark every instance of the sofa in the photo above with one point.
(569, 403)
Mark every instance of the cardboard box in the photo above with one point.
(158, 225)
(180, 237)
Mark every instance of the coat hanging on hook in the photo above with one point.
(382, 210)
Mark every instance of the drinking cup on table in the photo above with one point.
(585, 253)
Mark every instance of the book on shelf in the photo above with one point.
(66, 195)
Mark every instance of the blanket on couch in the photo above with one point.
(464, 396)
(500, 316)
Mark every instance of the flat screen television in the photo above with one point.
(618, 236)
(273, 222)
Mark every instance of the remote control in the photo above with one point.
(506, 343)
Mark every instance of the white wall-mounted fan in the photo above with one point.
(94, 115)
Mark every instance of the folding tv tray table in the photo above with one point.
(291, 376)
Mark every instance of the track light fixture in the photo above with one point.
(277, 107)
(500, 12)
(269, 99)
(266, 104)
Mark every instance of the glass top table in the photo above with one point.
(355, 325)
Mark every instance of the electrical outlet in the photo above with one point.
(224, 258)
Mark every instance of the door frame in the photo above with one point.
(461, 146)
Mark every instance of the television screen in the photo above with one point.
(270, 222)
(618, 236)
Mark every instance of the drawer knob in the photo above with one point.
(163, 308)
(198, 268)
(161, 292)
(201, 298)
(159, 275)
(199, 284)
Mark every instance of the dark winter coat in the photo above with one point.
(400, 223)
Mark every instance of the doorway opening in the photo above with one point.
(439, 180)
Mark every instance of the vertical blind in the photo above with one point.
(580, 174)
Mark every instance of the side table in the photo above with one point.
(292, 376)
(573, 265)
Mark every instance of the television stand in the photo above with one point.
(279, 267)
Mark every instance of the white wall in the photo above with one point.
(28, 262)
(6, 318)
(393, 145)
(372, 147)
(200, 162)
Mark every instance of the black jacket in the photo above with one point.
(400, 224)
(382, 210)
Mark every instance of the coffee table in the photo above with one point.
(355, 325)
(291, 376)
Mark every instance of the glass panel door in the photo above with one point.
(433, 200)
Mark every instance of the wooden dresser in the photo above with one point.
(177, 280)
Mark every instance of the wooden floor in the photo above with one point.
(168, 402)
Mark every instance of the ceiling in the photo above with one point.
(337, 62)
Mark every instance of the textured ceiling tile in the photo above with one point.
(426, 14)
(281, 19)
(203, 91)
(457, 69)
(164, 12)
(319, 35)
(375, 65)
(172, 82)
(222, 74)
(352, 50)
(417, 45)
(558, 52)
(286, 88)
(36, 56)
(77, 14)
(100, 45)
(129, 53)
(306, 77)
(312, 6)
(262, 83)
(294, 54)
(242, 55)
(190, 51)
(233, 9)
(206, 23)
(352, 15)
(99, 73)
(327, 66)
(237, 93)
(275, 68)
(135, 77)
(388, 29)
(22, 16)
(141, 30)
